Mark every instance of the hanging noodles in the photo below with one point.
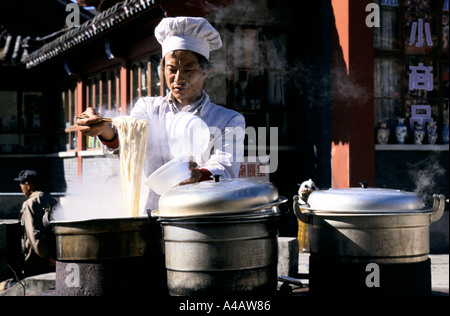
(133, 143)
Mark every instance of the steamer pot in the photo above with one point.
(369, 224)
(220, 237)
(105, 256)
(214, 197)
(102, 238)
(222, 255)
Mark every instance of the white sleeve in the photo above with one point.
(228, 149)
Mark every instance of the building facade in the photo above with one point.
(322, 74)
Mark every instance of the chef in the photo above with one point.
(186, 45)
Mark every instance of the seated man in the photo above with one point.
(39, 242)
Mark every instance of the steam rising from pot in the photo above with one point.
(424, 175)
(100, 197)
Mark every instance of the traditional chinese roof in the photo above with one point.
(22, 29)
(117, 14)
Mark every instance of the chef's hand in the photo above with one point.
(90, 124)
(197, 175)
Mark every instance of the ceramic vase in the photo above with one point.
(400, 131)
(445, 133)
(432, 133)
(383, 133)
(419, 134)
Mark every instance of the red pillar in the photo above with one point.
(124, 88)
(353, 150)
(81, 139)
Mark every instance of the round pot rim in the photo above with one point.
(255, 209)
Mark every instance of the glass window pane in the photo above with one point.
(144, 79)
(113, 101)
(97, 93)
(72, 141)
(248, 89)
(65, 99)
(105, 96)
(275, 48)
(31, 111)
(387, 110)
(445, 32)
(386, 36)
(246, 48)
(72, 104)
(90, 93)
(216, 85)
(8, 111)
(134, 84)
(155, 80)
(387, 78)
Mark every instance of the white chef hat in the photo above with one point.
(187, 33)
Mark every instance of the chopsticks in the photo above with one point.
(104, 119)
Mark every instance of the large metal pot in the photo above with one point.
(114, 256)
(221, 237)
(369, 224)
(367, 241)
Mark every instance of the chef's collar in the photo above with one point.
(195, 106)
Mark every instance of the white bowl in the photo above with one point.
(188, 135)
(169, 175)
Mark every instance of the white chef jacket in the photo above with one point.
(226, 145)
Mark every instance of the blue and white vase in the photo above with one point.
(445, 133)
(432, 133)
(400, 131)
(419, 134)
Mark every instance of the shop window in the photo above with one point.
(31, 111)
(411, 63)
(9, 139)
(103, 94)
(69, 106)
(23, 123)
(145, 79)
(250, 73)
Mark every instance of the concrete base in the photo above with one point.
(33, 285)
(288, 256)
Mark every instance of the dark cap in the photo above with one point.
(29, 176)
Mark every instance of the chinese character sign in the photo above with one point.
(421, 77)
(417, 28)
(254, 170)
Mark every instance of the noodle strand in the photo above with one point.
(133, 143)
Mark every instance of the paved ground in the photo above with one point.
(439, 272)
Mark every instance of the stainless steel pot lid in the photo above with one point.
(218, 197)
(364, 200)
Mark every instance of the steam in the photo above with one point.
(97, 197)
(424, 174)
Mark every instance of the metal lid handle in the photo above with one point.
(438, 207)
(298, 212)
